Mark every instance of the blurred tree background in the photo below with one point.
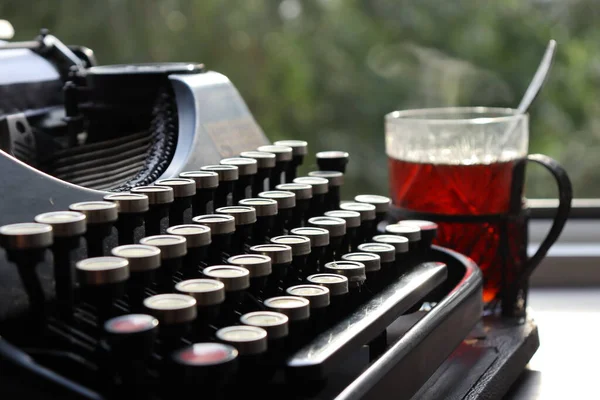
(327, 71)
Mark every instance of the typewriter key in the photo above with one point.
(67, 229)
(320, 187)
(352, 218)
(228, 177)
(175, 313)
(184, 190)
(286, 204)
(100, 217)
(299, 150)
(353, 270)
(428, 233)
(207, 183)
(172, 250)
(245, 219)
(401, 247)
(338, 293)
(198, 240)
(332, 160)
(297, 309)
(131, 207)
(318, 296)
(335, 180)
(319, 242)
(236, 280)
(143, 263)
(381, 203)
(304, 195)
(283, 158)
(248, 340)
(25, 245)
(412, 233)
(265, 163)
(131, 336)
(247, 169)
(222, 228)
(275, 323)
(387, 259)
(337, 232)
(281, 260)
(160, 199)
(266, 212)
(259, 267)
(300, 251)
(209, 295)
(368, 228)
(372, 263)
(102, 281)
(208, 366)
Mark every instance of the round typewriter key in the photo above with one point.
(143, 262)
(319, 243)
(336, 180)
(387, 256)
(249, 340)
(236, 280)
(100, 218)
(281, 260)
(259, 267)
(102, 281)
(175, 313)
(299, 150)
(208, 366)
(228, 177)
(222, 228)
(172, 250)
(401, 247)
(206, 184)
(297, 309)
(131, 207)
(283, 158)
(198, 240)
(172, 308)
(381, 203)
(247, 169)
(184, 190)
(368, 228)
(245, 219)
(372, 263)
(412, 233)
(131, 336)
(353, 270)
(160, 199)
(286, 205)
(275, 323)
(337, 233)
(336, 283)
(67, 229)
(209, 295)
(25, 246)
(265, 163)
(428, 233)
(332, 160)
(304, 196)
(300, 251)
(352, 218)
(320, 188)
(266, 211)
(317, 295)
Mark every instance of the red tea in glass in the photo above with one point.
(464, 168)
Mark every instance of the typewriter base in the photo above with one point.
(487, 363)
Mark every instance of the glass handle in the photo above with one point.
(565, 195)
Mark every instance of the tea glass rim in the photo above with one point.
(444, 115)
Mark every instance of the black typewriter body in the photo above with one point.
(72, 131)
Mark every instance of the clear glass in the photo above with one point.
(464, 162)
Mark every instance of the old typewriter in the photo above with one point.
(155, 244)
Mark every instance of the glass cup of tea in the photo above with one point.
(464, 168)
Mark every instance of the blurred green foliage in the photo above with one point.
(328, 71)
